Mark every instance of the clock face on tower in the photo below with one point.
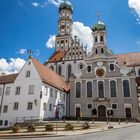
(100, 72)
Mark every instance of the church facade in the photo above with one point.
(99, 80)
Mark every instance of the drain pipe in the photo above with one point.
(2, 98)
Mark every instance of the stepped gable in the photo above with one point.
(50, 77)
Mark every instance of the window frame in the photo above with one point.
(80, 90)
(110, 88)
(16, 106)
(128, 88)
(30, 106)
(87, 89)
(28, 74)
(114, 104)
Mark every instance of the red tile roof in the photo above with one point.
(57, 56)
(129, 59)
(8, 78)
(50, 77)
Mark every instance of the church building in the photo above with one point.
(99, 80)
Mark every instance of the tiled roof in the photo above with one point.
(130, 59)
(8, 78)
(50, 77)
(138, 81)
(57, 56)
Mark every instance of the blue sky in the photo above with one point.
(28, 24)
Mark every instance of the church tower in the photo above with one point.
(63, 38)
(99, 38)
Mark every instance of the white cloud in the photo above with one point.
(51, 42)
(135, 6)
(55, 2)
(83, 33)
(22, 51)
(13, 66)
(35, 4)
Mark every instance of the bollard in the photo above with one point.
(64, 120)
(119, 121)
(126, 121)
(78, 119)
(107, 121)
(93, 120)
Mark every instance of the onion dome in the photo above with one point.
(66, 5)
(99, 26)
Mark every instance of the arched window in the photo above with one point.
(111, 67)
(126, 89)
(101, 89)
(96, 51)
(51, 67)
(95, 38)
(78, 90)
(139, 72)
(102, 50)
(59, 70)
(89, 69)
(89, 89)
(102, 38)
(81, 66)
(113, 91)
(69, 70)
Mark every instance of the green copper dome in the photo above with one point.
(66, 5)
(99, 26)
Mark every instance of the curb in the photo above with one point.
(55, 135)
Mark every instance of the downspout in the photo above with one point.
(2, 98)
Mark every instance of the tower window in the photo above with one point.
(96, 51)
(102, 50)
(95, 38)
(102, 39)
(62, 41)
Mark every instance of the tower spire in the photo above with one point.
(99, 15)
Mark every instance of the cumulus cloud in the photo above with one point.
(55, 2)
(135, 6)
(51, 42)
(35, 4)
(22, 51)
(14, 65)
(81, 31)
